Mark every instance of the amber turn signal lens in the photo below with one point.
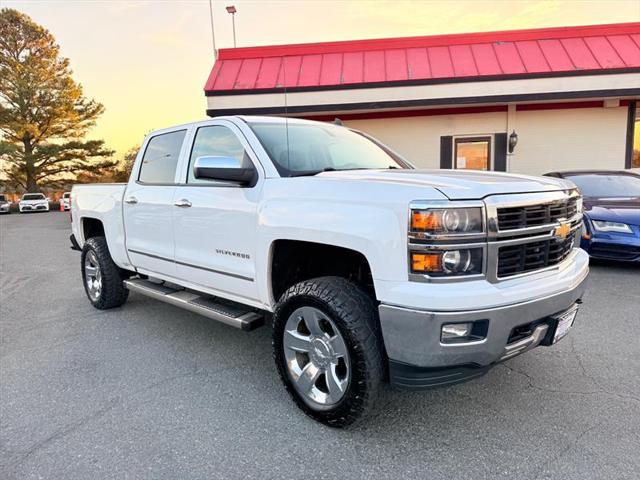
(425, 220)
(426, 262)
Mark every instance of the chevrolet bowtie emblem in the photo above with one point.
(562, 231)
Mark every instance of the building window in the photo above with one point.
(472, 153)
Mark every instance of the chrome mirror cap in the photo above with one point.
(227, 169)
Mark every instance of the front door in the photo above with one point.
(148, 205)
(215, 222)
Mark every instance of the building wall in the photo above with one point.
(582, 138)
(559, 139)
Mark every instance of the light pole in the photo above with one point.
(232, 10)
(213, 35)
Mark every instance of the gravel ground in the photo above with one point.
(151, 391)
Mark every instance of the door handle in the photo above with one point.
(184, 203)
(131, 200)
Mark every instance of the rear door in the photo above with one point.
(148, 203)
(215, 224)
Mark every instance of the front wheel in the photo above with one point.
(328, 351)
(102, 278)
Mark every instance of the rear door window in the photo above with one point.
(161, 157)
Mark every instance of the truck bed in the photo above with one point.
(101, 201)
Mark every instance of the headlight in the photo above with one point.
(603, 226)
(447, 262)
(447, 221)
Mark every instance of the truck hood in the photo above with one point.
(457, 184)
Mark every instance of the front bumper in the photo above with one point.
(34, 208)
(418, 359)
(613, 247)
(4, 208)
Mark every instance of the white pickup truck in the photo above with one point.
(371, 271)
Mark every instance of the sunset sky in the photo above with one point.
(147, 61)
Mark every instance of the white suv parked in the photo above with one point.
(65, 201)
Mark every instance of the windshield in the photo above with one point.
(609, 185)
(2, 199)
(66, 195)
(317, 148)
(33, 196)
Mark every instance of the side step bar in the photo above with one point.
(225, 311)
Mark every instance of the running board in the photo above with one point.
(225, 311)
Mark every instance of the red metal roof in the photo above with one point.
(411, 60)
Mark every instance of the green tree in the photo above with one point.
(122, 171)
(43, 115)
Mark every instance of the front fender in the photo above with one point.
(374, 224)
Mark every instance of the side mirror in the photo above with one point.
(226, 169)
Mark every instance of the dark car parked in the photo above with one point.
(611, 228)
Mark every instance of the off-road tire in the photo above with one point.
(356, 316)
(113, 293)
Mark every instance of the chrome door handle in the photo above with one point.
(183, 203)
(131, 200)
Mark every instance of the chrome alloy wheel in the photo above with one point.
(92, 275)
(317, 357)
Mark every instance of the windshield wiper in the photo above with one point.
(311, 173)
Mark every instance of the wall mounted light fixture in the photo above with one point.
(513, 141)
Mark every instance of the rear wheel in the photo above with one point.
(327, 349)
(102, 278)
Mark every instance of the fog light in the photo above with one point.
(465, 332)
(456, 331)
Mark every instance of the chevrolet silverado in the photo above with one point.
(369, 269)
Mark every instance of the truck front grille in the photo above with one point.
(512, 218)
(527, 257)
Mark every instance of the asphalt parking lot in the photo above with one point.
(151, 391)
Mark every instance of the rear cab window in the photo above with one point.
(161, 158)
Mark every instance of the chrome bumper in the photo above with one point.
(412, 337)
(34, 207)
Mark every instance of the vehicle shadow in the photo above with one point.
(614, 264)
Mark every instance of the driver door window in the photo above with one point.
(216, 141)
